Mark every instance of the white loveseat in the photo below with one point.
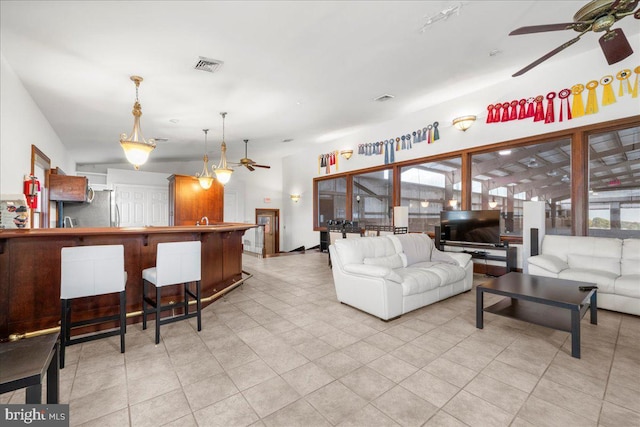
(388, 276)
(613, 264)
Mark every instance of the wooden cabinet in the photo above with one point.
(65, 188)
(188, 202)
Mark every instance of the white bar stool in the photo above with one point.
(90, 271)
(176, 263)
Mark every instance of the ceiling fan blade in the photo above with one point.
(615, 46)
(548, 27)
(261, 166)
(249, 167)
(547, 56)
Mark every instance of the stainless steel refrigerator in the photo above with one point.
(102, 211)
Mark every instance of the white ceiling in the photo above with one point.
(302, 70)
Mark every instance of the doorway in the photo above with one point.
(270, 219)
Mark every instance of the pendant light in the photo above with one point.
(223, 172)
(135, 147)
(205, 178)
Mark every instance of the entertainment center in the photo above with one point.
(476, 233)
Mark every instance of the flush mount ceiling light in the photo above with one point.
(463, 123)
(533, 163)
(205, 177)
(135, 147)
(223, 172)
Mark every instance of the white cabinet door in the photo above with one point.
(141, 206)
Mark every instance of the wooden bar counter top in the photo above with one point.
(30, 269)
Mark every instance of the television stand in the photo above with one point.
(493, 260)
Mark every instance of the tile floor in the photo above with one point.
(281, 351)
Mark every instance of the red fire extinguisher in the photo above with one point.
(31, 190)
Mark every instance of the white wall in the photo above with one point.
(554, 75)
(24, 124)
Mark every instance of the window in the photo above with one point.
(373, 198)
(332, 199)
(505, 179)
(614, 191)
(427, 189)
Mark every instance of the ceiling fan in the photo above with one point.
(597, 16)
(247, 162)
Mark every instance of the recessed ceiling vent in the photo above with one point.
(383, 98)
(208, 64)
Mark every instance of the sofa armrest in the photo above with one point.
(550, 263)
(461, 258)
(373, 271)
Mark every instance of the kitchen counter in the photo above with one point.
(30, 269)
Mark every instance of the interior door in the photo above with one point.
(269, 218)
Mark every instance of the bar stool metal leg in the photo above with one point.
(158, 302)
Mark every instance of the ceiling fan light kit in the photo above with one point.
(135, 147)
(597, 16)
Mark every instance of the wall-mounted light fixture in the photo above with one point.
(463, 123)
(346, 154)
(295, 197)
(135, 147)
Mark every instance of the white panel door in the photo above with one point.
(141, 206)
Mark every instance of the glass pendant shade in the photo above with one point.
(424, 203)
(135, 147)
(223, 172)
(205, 178)
(493, 203)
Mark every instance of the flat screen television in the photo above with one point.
(470, 226)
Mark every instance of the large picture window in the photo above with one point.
(332, 199)
(372, 201)
(429, 188)
(614, 188)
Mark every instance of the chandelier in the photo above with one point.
(223, 172)
(205, 177)
(135, 147)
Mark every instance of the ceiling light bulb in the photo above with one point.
(424, 203)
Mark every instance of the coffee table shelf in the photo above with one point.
(548, 316)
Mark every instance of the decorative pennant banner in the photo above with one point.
(539, 114)
(550, 116)
(608, 97)
(634, 91)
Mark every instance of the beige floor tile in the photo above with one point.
(523, 361)
(442, 419)
(118, 418)
(623, 396)
(450, 371)
(430, 388)
(84, 408)
(616, 416)
(336, 402)
(307, 378)
(314, 349)
(338, 364)
(510, 375)
(384, 341)
(363, 352)
(467, 358)
(433, 344)
(153, 385)
(392, 367)
(167, 407)
(404, 407)
(625, 373)
(299, 413)
(475, 411)
(568, 398)
(590, 385)
(545, 414)
(416, 356)
(367, 383)
(209, 390)
(251, 374)
(504, 396)
(270, 396)
(339, 339)
(232, 411)
(368, 416)
(106, 378)
(195, 371)
(235, 356)
(296, 336)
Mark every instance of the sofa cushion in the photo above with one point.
(417, 280)
(447, 273)
(601, 263)
(605, 280)
(373, 271)
(417, 247)
(391, 261)
(630, 257)
(354, 251)
(562, 246)
(628, 285)
(548, 262)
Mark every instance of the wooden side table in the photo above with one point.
(24, 364)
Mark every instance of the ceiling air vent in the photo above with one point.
(383, 98)
(208, 64)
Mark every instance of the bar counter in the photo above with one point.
(30, 269)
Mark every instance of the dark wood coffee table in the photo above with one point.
(546, 301)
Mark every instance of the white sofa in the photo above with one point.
(388, 276)
(613, 264)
